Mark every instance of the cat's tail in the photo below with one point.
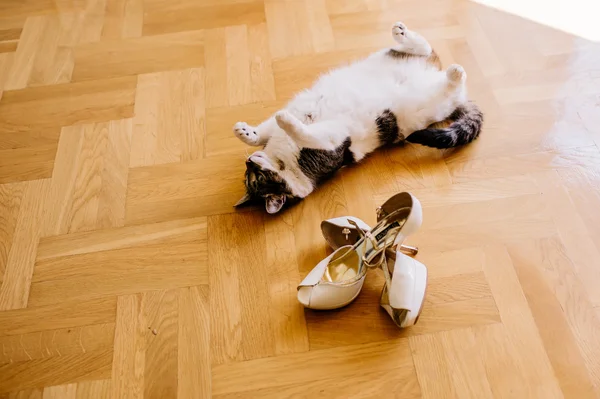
(466, 124)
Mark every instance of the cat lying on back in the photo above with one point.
(391, 96)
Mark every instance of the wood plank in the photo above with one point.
(128, 361)
(521, 330)
(17, 7)
(582, 187)
(27, 138)
(55, 370)
(457, 288)
(341, 363)
(30, 163)
(8, 47)
(261, 71)
(89, 23)
(34, 393)
(498, 354)
(53, 61)
(582, 157)
(169, 121)
(486, 211)
(288, 322)
(114, 175)
(573, 230)
(399, 383)
(468, 236)
(467, 373)
(238, 64)
(97, 389)
(175, 191)
(179, 261)
(10, 34)
(291, 21)
(117, 238)
(67, 391)
(238, 275)
(372, 324)
(451, 263)
(90, 178)
(134, 56)
(6, 61)
(161, 311)
(123, 19)
(215, 61)
(145, 364)
(432, 367)
(26, 53)
(60, 342)
(194, 362)
(239, 85)
(179, 208)
(60, 316)
(14, 21)
(471, 192)
(67, 104)
(11, 196)
(552, 289)
(163, 17)
(29, 226)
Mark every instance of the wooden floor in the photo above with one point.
(126, 272)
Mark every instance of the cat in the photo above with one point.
(393, 95)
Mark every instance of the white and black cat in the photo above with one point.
(393, 95)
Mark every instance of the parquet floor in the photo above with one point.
(125, 271)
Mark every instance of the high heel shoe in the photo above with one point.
(340, 231)
(403, 293)
(337, 280)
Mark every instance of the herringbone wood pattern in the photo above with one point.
(126, 272)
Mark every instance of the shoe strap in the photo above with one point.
(368, 235)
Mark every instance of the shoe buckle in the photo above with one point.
(346, 232)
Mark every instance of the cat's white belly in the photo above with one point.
(360, 94)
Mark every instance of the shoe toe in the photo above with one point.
(304, 294)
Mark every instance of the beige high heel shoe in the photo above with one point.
(337, 280)
(403, 294)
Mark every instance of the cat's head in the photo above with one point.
(264, 182)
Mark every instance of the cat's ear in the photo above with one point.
(243, 200)
(274, 203)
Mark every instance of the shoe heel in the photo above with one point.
(398, 316)
(409, 285)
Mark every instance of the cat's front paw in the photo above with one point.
(456, 73)
(246, 133)
(287, 121)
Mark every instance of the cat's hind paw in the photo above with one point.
(410, 41)
(399, 31)
(246, 133)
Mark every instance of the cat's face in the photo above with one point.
(264, 183)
